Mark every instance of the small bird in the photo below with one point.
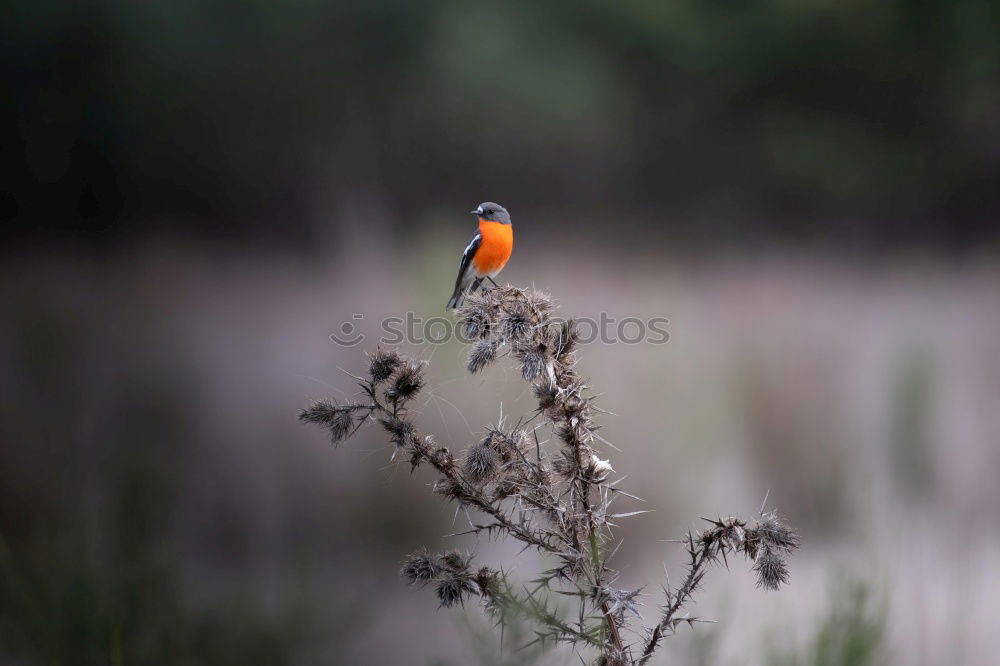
(488, 252)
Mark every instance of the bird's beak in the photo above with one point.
(478, 211)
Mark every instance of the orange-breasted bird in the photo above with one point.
(487, 253)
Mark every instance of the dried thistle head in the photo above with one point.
(764, 543)
(400, 431)
(569, 431)
(451, 572)
(382, 364)
(337, 419)
(420, 568)
(573, 407)
(507, 313)
(771, 570)
(516, 322)
(532, 362)
(507, 443)
(408, 382)
(539, 303)
(489, 581)
(455, 561)
(453, 590)
(481, 464)
(441, 457)
(477, 313)
(775, 533)
(482, 354)
(547, 394)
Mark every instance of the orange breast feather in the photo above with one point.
(494, 251)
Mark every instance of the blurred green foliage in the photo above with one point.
(852, 120)
(851, 634)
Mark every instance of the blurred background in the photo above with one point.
(194, 195)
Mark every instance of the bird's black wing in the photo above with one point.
(462, 281)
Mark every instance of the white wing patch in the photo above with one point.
(475, 241)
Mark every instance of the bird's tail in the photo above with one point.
(461, 290)
(458, 297)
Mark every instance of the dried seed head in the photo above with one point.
(382, 364)
(337, 419)
(546, 392)
(776, 534)
(573, 406)
(341, 425)
(441, 457)
(532, 363)
(507, 444)
(488, 582)
(454, 561)
(481, 464)
(482, 353)
(417, 458)
(409, 380)
(475, 313)
(451, 591)
(399, 430)
(539, 303)
(771, 570)
(320, 412)
(568, 432)
(420, 568)
(515, 323)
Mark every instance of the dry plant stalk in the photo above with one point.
(555, 501)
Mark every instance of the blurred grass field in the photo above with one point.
(159, 503)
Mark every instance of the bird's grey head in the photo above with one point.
(493, 212)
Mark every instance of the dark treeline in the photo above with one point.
(788, 120)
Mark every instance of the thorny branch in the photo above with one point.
(554, 501)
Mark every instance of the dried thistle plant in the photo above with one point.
(554, 499)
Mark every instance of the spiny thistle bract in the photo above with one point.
(552, 496)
